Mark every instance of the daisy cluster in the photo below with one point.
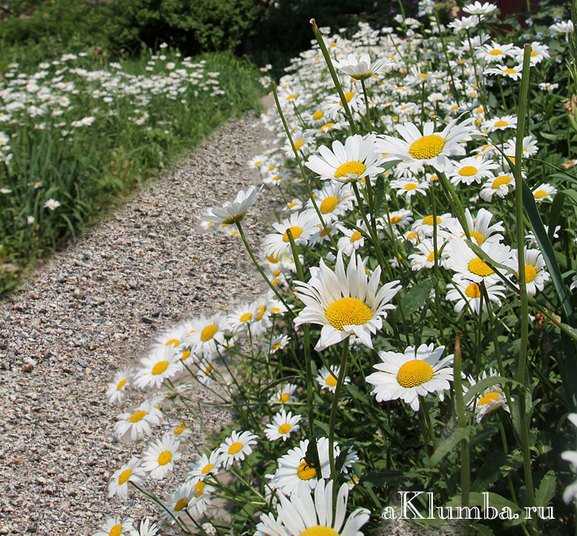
(390, 327)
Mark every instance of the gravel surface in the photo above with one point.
(89, 311)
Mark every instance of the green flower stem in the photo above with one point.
(336, 81)
(462, 422)
(306, 340)
(333, 418)
(247, 484)
(447, 60)
(521, 374)
(193, 375)
(367, 106)
(260, 270)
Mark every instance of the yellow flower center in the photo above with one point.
(208, 332)
(431, 257)
(207, 468)
(245, 317)
(410, 186)
(273, 259)
(501, 123)
(468, 171)
(318, 115)
(174, 343)
(306, 471)
(356, 235)
(393, 220)
(185, 354)
(414, 373)
(411, 235)
(489, 398)
(181, 504)
(115, 530)
(199, 488)
(510, 71)
(331, 380)
(539, 194)
(295, 231)
(159, 367)
(121, 384)
(285, 428)
(352, 169)
(473, 291)
(299, 143)
(501, 180)
(495, 52)
(427, 147)
(327, 126)
(347, 312)
(124, 476)
(235, 447)
(260, 311)
(137, 416)
(530, 272)
(179, 429)
(319, 530)
(430, 220)
(478, 267)
(478, 237)
(165, 457)
(349, 95)
(328, 204)
(284, 397)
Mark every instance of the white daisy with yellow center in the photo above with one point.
(351, 161)
(117, 388)
(279, 343)
(179, 502)
(504, 122)
(130, 472)
(409, 187)
(425, 256)
(429, 147)
(536, 274)
(352, 239)
(242, 317)
(139, 422)
(162, 363)
(205, 333)
(464, 261)
(530, 148)
(282, 426)
(310, 513)
(202, 494)
(469, 294)
(426, 224)
(545, 192)
(471, 170)
(299, 226)
(116, 526)
(494, 52)
(345, 302)
(513, 72)
(333, 200)
(284, 394)
(489, 400)
(206, 465)
(480, 227)
(359, 67)
(500, 185)
(234, 211)
(397, 218)
(414, 373)
(327, 379)
(236, 447)
(159, 457)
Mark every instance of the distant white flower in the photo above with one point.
(52, 204)
(233, 212)
(480, 9)
(359, 67)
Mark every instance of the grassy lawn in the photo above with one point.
(78, 133)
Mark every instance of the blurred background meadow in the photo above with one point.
(97, 96)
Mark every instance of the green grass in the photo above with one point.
(94, 167)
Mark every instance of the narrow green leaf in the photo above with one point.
(546, 489)
(448, 445)
(416, 296)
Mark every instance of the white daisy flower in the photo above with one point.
(236, 447)
(480, 227)
(179, 500)
(409, 187)
(500, 186)
(398, 218)
(130, 472)
(180, 430)
(359, 67)
(471, 170)
(345, 302)
(494, 52)
(351, 240)
(282, 426)
(146, 528)
(233, 211)
(426, 225)
(491, 399)
(243, 316)
(514, 72)
(115, 526)
(333, 200)
(414, 373)
(480, 9)
(354, 160)
(117, 388)
(564, 28)
(327, 379)
(139, 422)
(539, 52)
(308, 515)
(159, 457)
(162, 363)
(530, 148)
(467, 293)
(500, 123)
(205, 333)
(334, 106)
(463, 260)
(52, 204)
(204, 466)
(279, 343)
(570, 493)
(545, 192)
(301, 225)
(536, 274)
(425, 255)
(201, 497)
(284, 394)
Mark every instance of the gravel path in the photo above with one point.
(88, 312)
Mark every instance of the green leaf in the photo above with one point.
(379, 192)
(416, 296)
(449, 444)
(547, 250)
(379, 478)
(546, 489)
